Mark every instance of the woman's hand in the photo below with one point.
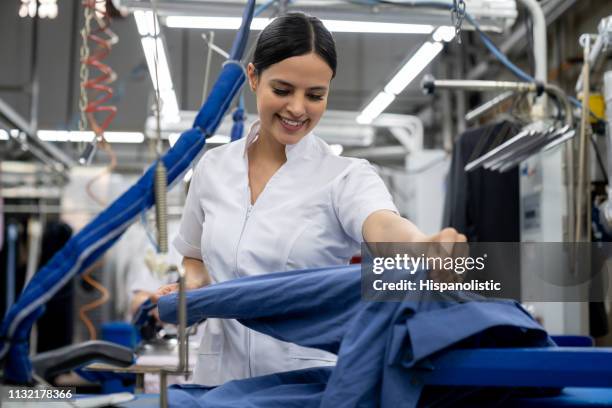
(448, 238)
(163, 291)
(196, 276)
(447, 243)
(384, 228)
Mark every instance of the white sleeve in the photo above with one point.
(357, 194)
(187, 241)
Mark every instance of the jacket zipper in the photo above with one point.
(246, 219)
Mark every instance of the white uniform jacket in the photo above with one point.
(310, 214)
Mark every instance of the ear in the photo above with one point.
(252, 75)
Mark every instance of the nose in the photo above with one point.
(297, 106)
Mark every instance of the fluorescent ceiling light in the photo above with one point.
(4, 135)
(444, 33)
(375, 108)
(87, 136)
(219, 139)
(216, 139)
(149, 47)
(219, 23)
(344, 26)
(153, 46)
(169, 103)
(339, 26)
(124, 137)
(424, 55)
(413, 67)
(145, 23)
(64, 136)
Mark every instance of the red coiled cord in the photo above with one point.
(103, 39)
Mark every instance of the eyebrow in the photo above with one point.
(285, 83)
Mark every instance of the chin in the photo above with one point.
(290, 138)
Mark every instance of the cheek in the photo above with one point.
(268, 104)
(316, 110)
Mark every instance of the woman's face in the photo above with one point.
(291, 96)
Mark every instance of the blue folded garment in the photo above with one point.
(382, 347)
(301, 388)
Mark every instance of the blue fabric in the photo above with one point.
(238, 125)
(569, 397)
(228, 84)
(242, 37)
(302, 388)
(382, 347)
(101, 233)
(142, 314)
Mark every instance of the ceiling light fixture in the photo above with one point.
(413, 67)
(409, 71)
(44, 8)
(375, 108)
(216, 139)
(338, 26)
(87, 136)
(152, 45)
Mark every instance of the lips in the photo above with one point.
(291, 125)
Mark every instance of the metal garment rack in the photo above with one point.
(536, 137)
(489, 106)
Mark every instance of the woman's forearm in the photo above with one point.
(387, 226)
(196, 273)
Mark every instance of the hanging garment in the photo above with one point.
(482, 204)
(11, 263)
(1, 221)
(34, 247)
(380, 345)
(54, 333)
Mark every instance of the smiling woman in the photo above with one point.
(291, 96)
(293, 65)
(280, 200)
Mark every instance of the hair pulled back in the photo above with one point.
(293, 35)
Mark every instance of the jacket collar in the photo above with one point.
(301, 149)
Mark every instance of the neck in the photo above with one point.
(266, 148)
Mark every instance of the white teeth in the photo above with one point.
(291, 122)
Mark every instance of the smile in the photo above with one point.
(291, 125)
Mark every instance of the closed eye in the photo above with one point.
(281, 92)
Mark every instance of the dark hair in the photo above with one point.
(292, 35)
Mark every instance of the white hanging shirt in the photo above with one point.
(310, 214)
